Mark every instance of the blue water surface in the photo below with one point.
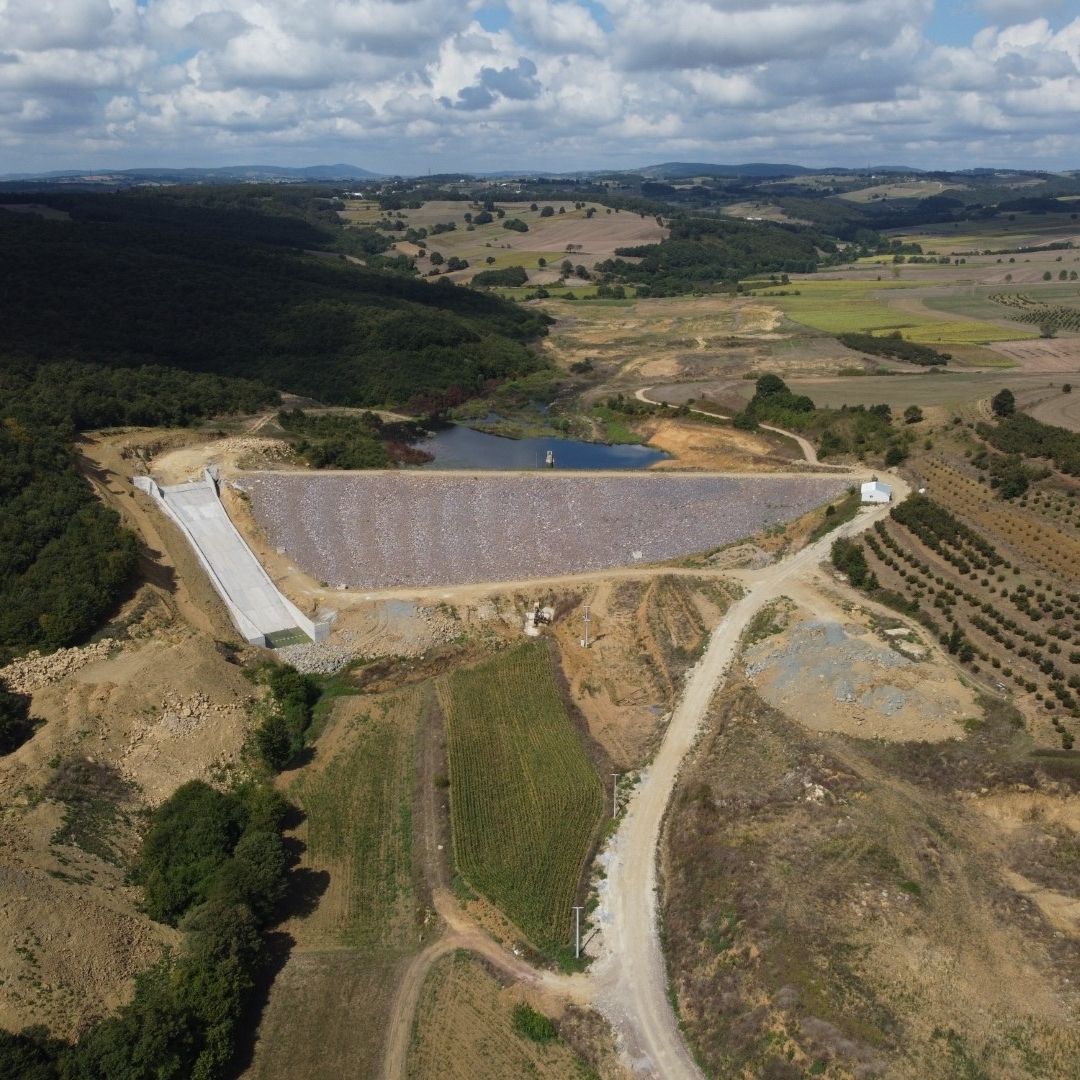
(462, 448)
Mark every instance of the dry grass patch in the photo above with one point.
(832, 907)
(357, 828)
(326, 1018)
(470, 1027)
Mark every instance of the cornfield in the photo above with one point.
(525, 800)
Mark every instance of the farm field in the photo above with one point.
(846, 306)
(326, 1017)
(903, 189)
(360, 916)
(1008, 645)
(965, 236)
(592, 238)
(374, 530)
(357, 825)
(1054, 407)
(978, 302)
(525, 799)
(947, 389)
(464, 1030)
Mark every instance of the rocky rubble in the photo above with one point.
(380, 529)
(36, 670)
(411, 631)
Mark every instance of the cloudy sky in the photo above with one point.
(413, 85)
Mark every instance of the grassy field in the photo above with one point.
(899, 391)
(525, 800)
(358, 824)
(840, 306)
(464, 1030)
(356, 918)
(975, 303)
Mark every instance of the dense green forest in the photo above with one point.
(64, 560)
(336, 441)
(190, 291)
(702, 253)
(895, 346)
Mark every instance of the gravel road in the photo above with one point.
(630, 976)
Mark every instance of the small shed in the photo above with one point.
(874, 491)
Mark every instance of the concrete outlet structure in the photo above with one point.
(257, 607)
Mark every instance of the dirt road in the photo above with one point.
(461, 933)
(807, 447)
(630, 977)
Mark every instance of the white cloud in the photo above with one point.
(408, 84)
(559, 24)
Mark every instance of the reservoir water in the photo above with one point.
(463, 448)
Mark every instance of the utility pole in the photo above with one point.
(577, 933)
(615, 795)
(585, 640)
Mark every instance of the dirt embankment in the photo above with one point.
(126, 720)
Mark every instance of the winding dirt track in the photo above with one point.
(808, 451)
(630, 978)
(461, 934)
(628, 982)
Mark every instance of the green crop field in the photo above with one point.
(525, 800)
(358, 824)
(838, 306)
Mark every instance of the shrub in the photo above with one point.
(530, 1023)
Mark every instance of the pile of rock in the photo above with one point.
(325, 659)
(439, 625)
(36, 670)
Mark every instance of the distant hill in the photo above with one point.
(677, 170)
(195, 175)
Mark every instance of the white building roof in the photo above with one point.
(876, 487)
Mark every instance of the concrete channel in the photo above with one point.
(259, 610)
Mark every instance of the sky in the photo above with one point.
(411, 86)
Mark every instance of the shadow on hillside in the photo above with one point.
(304, 891)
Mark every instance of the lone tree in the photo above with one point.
(912, 414)
(1003, 403)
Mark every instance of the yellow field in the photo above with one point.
(464, 1030)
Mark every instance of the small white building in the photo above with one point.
(874, 491)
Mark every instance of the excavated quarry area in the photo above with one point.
(380, 530)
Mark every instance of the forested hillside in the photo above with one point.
(703, 253)
(193, 289)
(170, 308)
